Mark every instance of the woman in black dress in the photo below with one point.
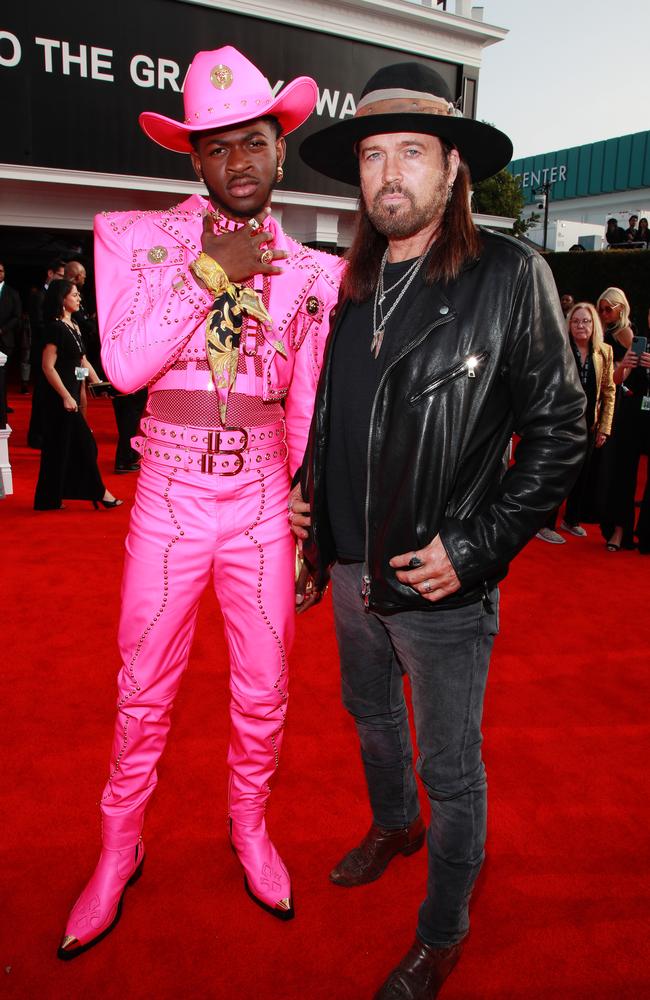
(69, 453)
(631, 424)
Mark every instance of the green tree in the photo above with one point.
(501, 195)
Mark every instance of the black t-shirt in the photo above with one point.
(355, 378)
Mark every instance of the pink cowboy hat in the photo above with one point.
(223, 88)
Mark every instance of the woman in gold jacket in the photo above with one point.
(591, 353)
(595, 361)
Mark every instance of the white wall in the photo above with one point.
(597, 208)
(562, 234)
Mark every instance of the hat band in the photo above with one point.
(211, 114)
(399, 101)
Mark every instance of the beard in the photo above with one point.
(396, 221)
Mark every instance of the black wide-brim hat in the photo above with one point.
(406, 97)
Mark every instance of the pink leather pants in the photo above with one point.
(185, 528)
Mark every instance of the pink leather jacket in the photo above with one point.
(152, 312)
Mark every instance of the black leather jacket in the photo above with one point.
(487, 356)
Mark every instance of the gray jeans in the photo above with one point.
(445, 654)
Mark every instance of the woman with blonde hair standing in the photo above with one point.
(595, 362)
(632, 417)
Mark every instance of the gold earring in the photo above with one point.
(279, 175)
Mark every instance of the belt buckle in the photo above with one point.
(208, 461)
(236, 430)
(213, 444)
(240, 460)
(214, 448)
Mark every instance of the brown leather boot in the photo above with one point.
(421, 973)
(368, 861)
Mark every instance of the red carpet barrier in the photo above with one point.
(561, 909)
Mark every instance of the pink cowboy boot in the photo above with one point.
(99, 906)
(266, 879)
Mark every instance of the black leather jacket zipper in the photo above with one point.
(465, 367)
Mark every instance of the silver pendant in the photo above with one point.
(376, 342)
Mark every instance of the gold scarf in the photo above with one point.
(223, 330)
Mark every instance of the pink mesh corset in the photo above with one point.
(199, 408)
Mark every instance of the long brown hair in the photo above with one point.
(457, 242)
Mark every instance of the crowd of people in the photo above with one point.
(637, 234)
(614, 367)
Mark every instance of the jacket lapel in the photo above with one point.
(184, 223)
(428, 310)
(598, 369)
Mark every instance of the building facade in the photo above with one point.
(590, 183)
(75, 80)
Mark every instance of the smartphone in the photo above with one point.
(639, 345)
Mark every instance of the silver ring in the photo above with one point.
(266, 257)
(428, 587)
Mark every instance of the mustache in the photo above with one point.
(392, 188)
(246, 178)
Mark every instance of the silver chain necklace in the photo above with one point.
(379, 321)
(383, 291)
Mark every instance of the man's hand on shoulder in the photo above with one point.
(428, 571)
(239, 253)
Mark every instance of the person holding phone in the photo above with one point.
(631, 435)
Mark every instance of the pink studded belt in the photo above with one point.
(224, 451)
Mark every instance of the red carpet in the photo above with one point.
(561, 909)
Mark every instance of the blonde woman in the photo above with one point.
(595, 362)
(614, 312)
(631, 373)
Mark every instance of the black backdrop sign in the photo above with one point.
(74, 79)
